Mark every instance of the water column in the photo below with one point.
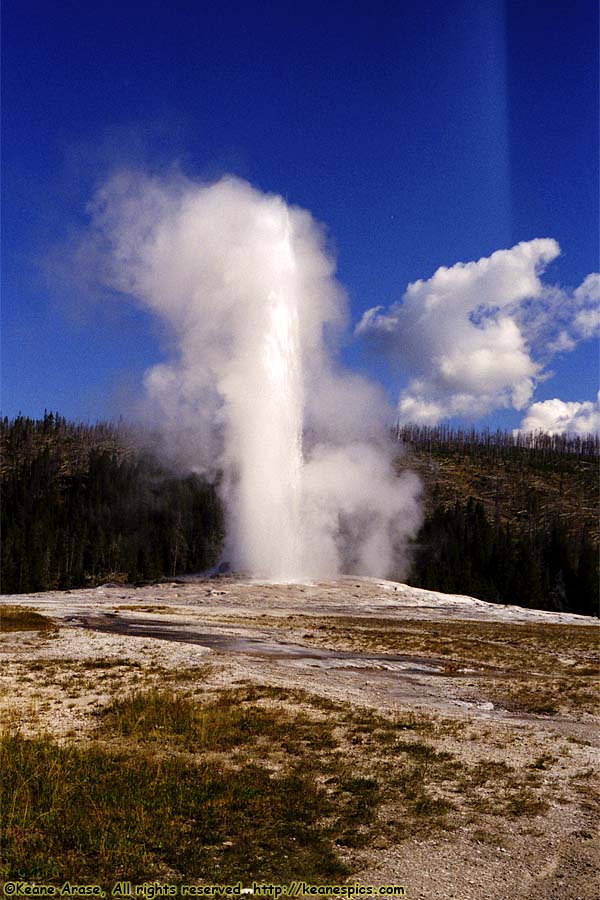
(269, 489)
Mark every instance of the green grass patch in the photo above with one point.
(90, 814)
(253, 782)
(228, 721)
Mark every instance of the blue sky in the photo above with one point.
(422, 134)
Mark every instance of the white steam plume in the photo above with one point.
(247, 288)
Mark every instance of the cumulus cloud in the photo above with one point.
(561, 417)
(476, 336)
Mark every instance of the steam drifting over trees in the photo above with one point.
(81, 506)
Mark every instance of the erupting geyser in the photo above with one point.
(247, 288)
(268, 430)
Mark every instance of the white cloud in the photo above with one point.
(559, 417)
(475, 336)
(562, 343)
(589, 290)
(557, 320)
(587, 322)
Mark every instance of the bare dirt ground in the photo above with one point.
(499, 685)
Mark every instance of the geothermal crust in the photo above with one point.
(314, 636)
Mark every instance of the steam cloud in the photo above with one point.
(246, 286)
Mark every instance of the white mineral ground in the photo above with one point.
(219, 621)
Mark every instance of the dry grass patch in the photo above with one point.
(535, 668)
(21, 618)
(543, 696)
(227, 721)
(252, 782)
(544, 648)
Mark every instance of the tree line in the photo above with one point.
(510, 518)
(459, 550)
(538, 445)
(82, 504)
(79, 508)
